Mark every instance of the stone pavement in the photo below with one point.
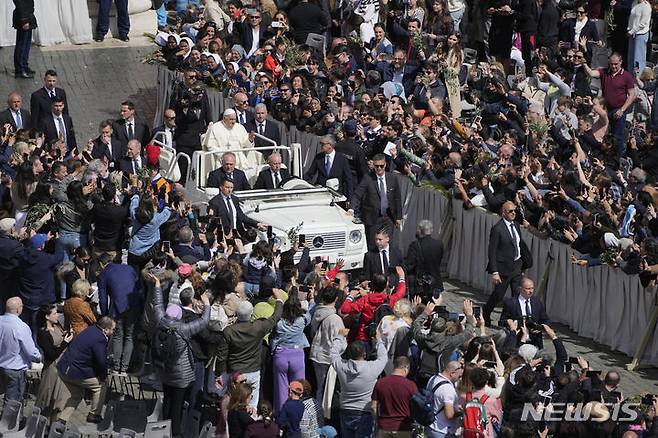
(96, 78)
(600, 357)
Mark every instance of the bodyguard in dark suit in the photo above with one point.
(331, 164)
(24, 21)
(271, 177)
(377, 200)
(108, 147)
(169, 129)
(508, 257)
(83, 367)
(15, 115)
(228, 171)
(56, 124)
(128, 127)
(381, 258)
(41, 100)
(243, 114)
(353, 151)
(424, 260)
(226, 207)
(526, 304)
(260, 125)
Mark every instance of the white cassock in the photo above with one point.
(218, 138)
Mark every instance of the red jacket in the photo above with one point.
(367, 305)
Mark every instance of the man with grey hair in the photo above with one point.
(15, 115)
(423, 262)
(133, 162)
(271, 177)
(329, 164)
(244, 343)
(187, 251)
(228, 171)
(261, 126)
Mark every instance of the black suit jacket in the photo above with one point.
(240, 181)
(366, 199)
(265, 180)
(40, 104)
(271, 131)
(424, 257)
(512, 310)
(372, 263)
(249, 117)
(219, 210)
(49, 129)
(141, 130)
(502, 250)
(100, 150)
(161, 128)
(244, 36)
(7, 117)
(340, 168)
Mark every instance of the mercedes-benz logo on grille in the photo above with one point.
(318, 242)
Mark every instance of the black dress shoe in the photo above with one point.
(99, 38)
(24, 75)
(124, 38)
(95, 419)
(30, 71)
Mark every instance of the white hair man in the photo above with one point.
(230, 135)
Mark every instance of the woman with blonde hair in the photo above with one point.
(77, 311)
(394, 330)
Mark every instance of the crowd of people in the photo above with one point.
(107, 269)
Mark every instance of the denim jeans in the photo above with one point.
(618, 130)
(14, 383)
(64, 245)
(122, 339)
(123, 20)
(253, 379)
(321, 370)
(356, 425)
(22, 50)
(637, 51)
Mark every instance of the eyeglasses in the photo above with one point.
(578, 56)
(254, 17)
(510, 211)
(379, 166)
(580, 12)
(241, 102)
(283, 90)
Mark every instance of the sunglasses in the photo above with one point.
(380, 166)
(511, 211)
(283, 90)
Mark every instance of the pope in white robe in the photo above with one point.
(228, 135)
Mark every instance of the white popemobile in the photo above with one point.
(295, 209)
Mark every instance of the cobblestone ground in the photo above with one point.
(96, 81)
(98, 77)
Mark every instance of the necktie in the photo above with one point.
(277, 180)
(62, 131)
(527, 308)
(383, 198)
(19, 120)
(51, 93)
(230, 176)
(242, 121)
(327, 164)
(261, 128)
(135, 166)
(229, 209)
(515, 238)
(384, 262)
(131, 132)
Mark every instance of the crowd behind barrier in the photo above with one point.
(617, 307)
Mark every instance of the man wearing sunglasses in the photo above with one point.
(377, 201)
(508, 258)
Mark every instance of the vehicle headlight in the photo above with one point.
(355, 236)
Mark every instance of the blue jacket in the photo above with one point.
(37, 278)
(145, 236)
(120, 283)
(86, 356)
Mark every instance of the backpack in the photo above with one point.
(383, 310)
(422, 405)
(166, 349)
(475, 416)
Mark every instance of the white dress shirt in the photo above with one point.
(388, 258)
(522, 301)
(515, 236)
(56, 120)
(331, 156)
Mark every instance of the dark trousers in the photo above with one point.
(513, 280)
(172, 406)
(618, 130)
(123, 21)
(22, 50)
(182, 163)
(526, 51)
